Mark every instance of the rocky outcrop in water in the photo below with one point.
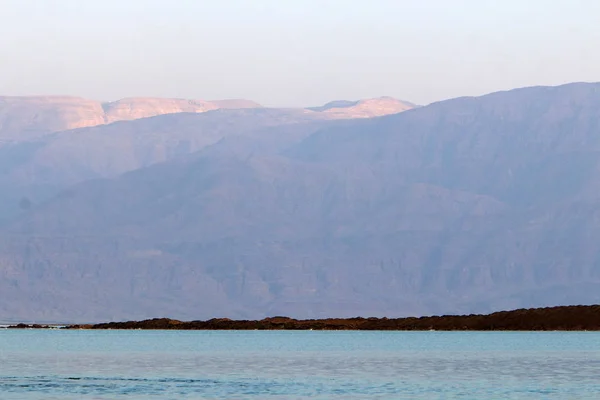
(28, 326)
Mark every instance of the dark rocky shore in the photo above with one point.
(568, 318)
(29, 326)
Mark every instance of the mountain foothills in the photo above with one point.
(466, 205)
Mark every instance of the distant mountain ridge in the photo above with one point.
(144, 107)
(36, 169)
(334, 104)
(31, 117)
(26, 118)
(469, 205)
(366, 108)
(47, 142)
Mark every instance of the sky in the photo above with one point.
(294, 52)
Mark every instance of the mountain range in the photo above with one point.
(44, 155)
(30, 117)
(370, 208)
(35, 116)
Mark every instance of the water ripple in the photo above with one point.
(139, 365)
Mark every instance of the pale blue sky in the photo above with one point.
(294, 52)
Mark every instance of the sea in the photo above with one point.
(112, 364)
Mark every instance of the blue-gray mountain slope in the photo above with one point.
(467, 205)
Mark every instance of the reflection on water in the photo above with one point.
(295, 365)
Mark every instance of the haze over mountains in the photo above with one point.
(39, 157)
(466, 205)
(31, 117)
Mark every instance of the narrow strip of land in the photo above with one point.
(565, 318)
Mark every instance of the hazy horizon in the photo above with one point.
(294, 54)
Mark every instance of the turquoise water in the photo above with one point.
(62, 365)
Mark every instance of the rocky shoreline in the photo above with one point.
(564, 318)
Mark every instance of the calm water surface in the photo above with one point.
(298, 365)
